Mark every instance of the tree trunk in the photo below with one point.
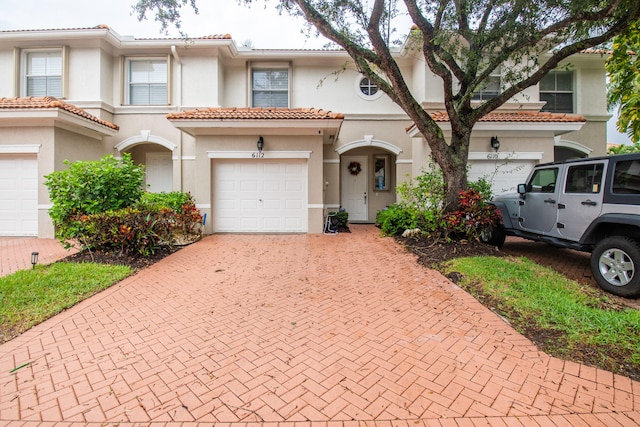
(452, 159)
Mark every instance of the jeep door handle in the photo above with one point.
(589, 203)
(550, 200)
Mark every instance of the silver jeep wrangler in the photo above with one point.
(590, 205)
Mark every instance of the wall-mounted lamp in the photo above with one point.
(260, 144)
(34, 259)
(495, 143)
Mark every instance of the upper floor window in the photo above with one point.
(367, 87)
(147, 82)
(270, 87)
(556, 89)
(43, 73)
(490, 88)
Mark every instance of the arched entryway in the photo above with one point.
(367, 177)
(156, 153)
(567, 150)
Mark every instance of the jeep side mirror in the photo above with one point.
(522, 189)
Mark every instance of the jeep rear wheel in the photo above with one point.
(615, 264)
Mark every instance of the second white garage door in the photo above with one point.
(503, 176)
(18, 195)
(260, 195)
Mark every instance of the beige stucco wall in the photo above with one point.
(199, 80)
(591, 136)
(235, 86)
(7, 69)
(84, 78)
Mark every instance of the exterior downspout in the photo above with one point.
(178, 155)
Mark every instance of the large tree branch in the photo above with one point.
(558, 56)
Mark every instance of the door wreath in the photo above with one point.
(354, 168)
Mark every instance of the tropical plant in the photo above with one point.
(623, 92)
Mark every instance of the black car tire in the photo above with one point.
(494, 236)
(615, 264)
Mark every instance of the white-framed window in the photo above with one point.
(381, 172)
(366, 88)
(490, 88)
(43, 73)
(556, 89)
(146, 81)
(270, 86)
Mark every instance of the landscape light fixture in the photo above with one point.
(34, 259)
(495, 143)
(260, 144)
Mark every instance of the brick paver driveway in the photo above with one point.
(295, 328)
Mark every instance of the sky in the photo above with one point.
(261, 24)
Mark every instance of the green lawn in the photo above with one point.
(565, 318)
(29, 297)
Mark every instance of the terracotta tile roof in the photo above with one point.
(97, 27)
(209, 37)
(49, 102)
(106, 27)
(521, 116)
(255, 114)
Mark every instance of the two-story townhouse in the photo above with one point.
(265, 140)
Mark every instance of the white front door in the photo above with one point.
(18, 195)
(355, 199)
(260, 195)
(159, 167)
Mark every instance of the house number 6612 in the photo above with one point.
(258, 155)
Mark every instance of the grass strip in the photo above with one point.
(29, 297)
(559, 314)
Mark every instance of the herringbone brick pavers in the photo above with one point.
(15, 252)
(281, 329)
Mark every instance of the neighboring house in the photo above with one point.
(194, 111)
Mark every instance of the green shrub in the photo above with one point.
(426, 192)
(127, 231)
(187, 220)
(174, 200)
(397, 218)
(420, 206)
(92, 187)
(342, 219)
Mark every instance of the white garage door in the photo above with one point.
(260, 195)
(18, 195)
(504, 177)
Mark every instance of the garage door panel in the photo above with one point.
(272, 186)
(503, 177)
(270, 195)
(249, 204)
(272, 204)
(18, 195)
